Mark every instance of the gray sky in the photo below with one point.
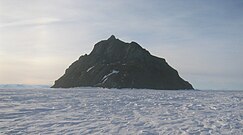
(202, 39)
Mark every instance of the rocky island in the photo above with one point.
(117, 64)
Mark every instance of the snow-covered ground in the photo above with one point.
(111, 111)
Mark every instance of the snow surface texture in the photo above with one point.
(111, 111)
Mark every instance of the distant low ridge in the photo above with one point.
(116, 64)
(22, 86)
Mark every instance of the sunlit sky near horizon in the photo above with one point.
(202, 39)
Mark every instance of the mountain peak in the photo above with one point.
(116, 50)
(117, 64)
(112, 37)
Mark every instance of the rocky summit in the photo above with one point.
(116, 64)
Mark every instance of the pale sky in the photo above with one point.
(202, 39)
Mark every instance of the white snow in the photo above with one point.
(104, 79)
(90, 68)
(125, 111)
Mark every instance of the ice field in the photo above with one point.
(126, 111)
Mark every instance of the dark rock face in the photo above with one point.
(116, 64)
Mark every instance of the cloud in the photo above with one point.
(37, 21)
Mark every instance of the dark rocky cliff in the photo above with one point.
(116, 64)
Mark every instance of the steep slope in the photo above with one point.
(116, 64)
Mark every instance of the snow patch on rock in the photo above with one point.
(90, 68)
(104, 79)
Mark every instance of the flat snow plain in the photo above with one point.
(126, 111)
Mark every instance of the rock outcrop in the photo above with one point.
(116, 64)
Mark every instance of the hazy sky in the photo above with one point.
(202, 39)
